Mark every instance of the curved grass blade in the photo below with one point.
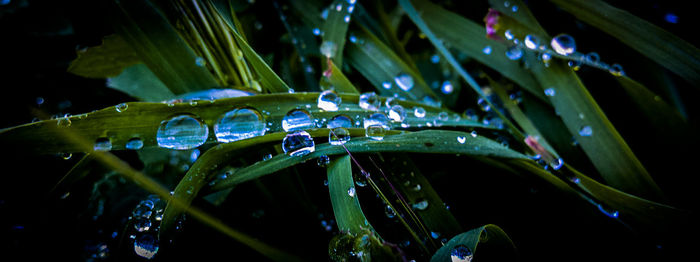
(464, 247)
(138, 81)
(470, 38)
(678, 56)
(336, 27)
(143, 119)
(346, 206)
(160, 47)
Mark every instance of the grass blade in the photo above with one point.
(336, 27)
(138, 81)
(340, 83)
(500, 247)
(106, 60)
(346, 206)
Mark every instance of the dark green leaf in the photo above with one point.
(138, 81)
(106, 60)
(344, 198)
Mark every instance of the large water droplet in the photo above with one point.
(146, 246)
(563, 44)
(297, 119)
(514, 52)
(340, 121)
(585, 131)
(404, 81)
(556, 164)
(338, 136)
(419, 112)
(461, 253)
(102, 144)
(532, 42)
(369, 101)
(397, 113)
(328, 100)
(121, 107)
(298, 143)
(134, 144)
(182, 132)
(377, 119)
(239, 124)
(375, 132)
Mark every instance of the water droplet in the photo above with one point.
(353, 38)
(447, 87)
(297, 119)
(443, 116)
(199, 61)
(671, 18)
(461, 139)
(298, 143)
(461, 253)
(317, 31)
(351, 191)
(514, 8)
(508, 34)
(369, 101)
(142, 224)
(419, 112)
(64, 121)
(377, 119)
(239, 124)
(532, 42)
(102, 144)
(404, 81)
(575, 64)
(616, 70)
(420, 205)
(346, 18)
(487, 50)
(514, 52)
(585, 131)
(182, 132)
(375, 132)
(338, 136)
(484, 104)
(563, 44)
(592, 58)
(39, 100)
(267, 157)
(434, 235)
(134, 144)
(550, 92)
(397, 113)
(546, 58)
(146, 246)
(435, 59)
(121, 107)
(66, 156)
(328, 49)
(323, 160)
(340, 121)
(389, 211)
(557, 164)
(473, 133)
(506, 3)
(328, 100)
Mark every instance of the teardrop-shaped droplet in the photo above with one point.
(182, 132)
(563, 44)
(146, 246)
(297, 119)
(121, 107)
(102, 144)
(338, 136)
(585, 131)
(298, 143)
(397, 113)
(461, 253)
(369, 101)
(134, 144)
(340, 121)
(404, 81)
(239, 124)
(329, 101)
(514, 52)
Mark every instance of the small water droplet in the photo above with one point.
(563, 44)
(419, 112)
(546, 58)
(328, 49)
(461, 253)
(323, 160)
(447, 87)
(461, 139)
(487, 50)
(369, 101)
(375, 132)
(434, 235)
(146, 246)
(351, 191)
(514, 8)
(298, 143)
(550, 92)
(420, 205)
(585, 131)
(134, 144)
(484, 104)
(575, 64)
(297, 119)
(404, 81)
(66, 156)
(514, 52)
(64, 121)
(616, 70)
(473, 133)
(557, 164)
(267, 157)
(508, 34)
(317, 31)
(121, 107)
(328, 100)
(435, 59)
(377, 119)
(199, 61)
(182, 132)
(397, 113)
(142, 224)
(346, 18)
(592, 58)
(102, 144)
(532, 42)
(389, 211)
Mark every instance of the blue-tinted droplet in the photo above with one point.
(461, 253)
(121, 107)
(563, 44)
(102, 144)
(134, 144)
(550, 92)
(514, 52)
(297, 119)
(369, 101)
(298, 143)
(239, 124)
(182, 132)
(340, 121)
(338, 136)
(329, 101)
(671, 18)
(351, 191)
(487, 50)
(585, 131)
(404, 81)
(532, 42)
(146, 246)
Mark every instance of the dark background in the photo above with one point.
(39, 39)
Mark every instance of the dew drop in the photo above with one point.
(435, 59)
(317, 31)
(563, 44)
(199, 61)
(389, 211)
(134, 144)
(340, 121)
(514, 52)
(575, 64)
(397, 113)
(102, 144)
(267, 157)
(557, 164)
(616, 70)
(550, 92)
(66, 156)
(380, 119)
(351, 191)
(64, 121)
(585, 131)
(473, 133)
(346, 18)
(592, 58)
(419, 112)
(298, 143)
(461, 253)
(483, 104)
(297, 119)
(461, 139)
(531, 41)
(404, 81)
(329, 101)
(239, 124)
(323, 160)
(508, 34)
(182, 132)
(142, 224)
(375, 132)
(420, 205)
(369, 101)
(146, 246)
(487, 50)
(121, 107)
(447, 87)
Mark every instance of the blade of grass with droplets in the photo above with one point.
(335, 28)
(344, 198)
(600, 140)
(381, 66)
(142, 120)
(470, 38)
(139, 81)
(678, 56)
(160, 47)
(463, 247)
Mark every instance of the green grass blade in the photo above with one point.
(138, 81)
(470, 38)
(340, 83)
(76, 173)
(335, 28)
(500, 248)
(678, 56)
(160, 47)
(347, 210)
(142, 120)
(106, 60)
